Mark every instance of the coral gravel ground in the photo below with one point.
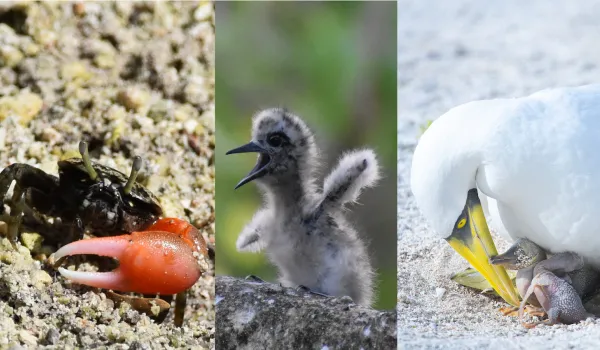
(131, 78)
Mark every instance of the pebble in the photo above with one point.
(52, 336)
(133, 98)
(203, 12)
(32, 240)
(26, 106)
(40, 279)
(75, 70)
(439, 292)
(27, 337)
(51, 135)
(195, 92)
(10, 56)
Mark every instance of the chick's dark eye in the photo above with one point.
(275, 140)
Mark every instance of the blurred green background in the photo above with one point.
(334, 64)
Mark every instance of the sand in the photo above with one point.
(450, 54)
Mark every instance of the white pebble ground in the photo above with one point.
(452, 52)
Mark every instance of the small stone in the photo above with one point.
(45, 38)
(52, 337)
(40, 279)
(36, 150)
(79, 9)
(133, 98)
(159, 111)
(171, 208)
(116, 113)
(103, 53)
(51, 135)
(136, 345)
(439, 292)
(26, 106)
(31, 49)
(155, 309)
(181, 114)
(75, 71)
(10, 56)
(190, 126)
(27, 337)
(104, 60)
(7, 258)
(203, 12)
(196, 92)
(32, 241)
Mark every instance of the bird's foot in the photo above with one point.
(535, 311)
(532, 311)
(529, 325)
(305, 289)
(253, 278)
(513, 311)
(509, 311)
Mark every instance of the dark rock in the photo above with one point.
(253, 315)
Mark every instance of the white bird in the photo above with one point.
(535, 163)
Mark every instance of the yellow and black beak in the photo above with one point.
(471, 238)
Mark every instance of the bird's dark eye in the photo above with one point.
(275, 140)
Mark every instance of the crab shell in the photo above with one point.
(138, 208)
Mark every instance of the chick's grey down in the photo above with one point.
(301, 226)
(556, 283)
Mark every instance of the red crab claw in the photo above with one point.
(185, 230)
(150, 262)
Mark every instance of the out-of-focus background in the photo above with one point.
(334, 64)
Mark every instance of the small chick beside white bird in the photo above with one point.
(301, 227)
(533, 161)
(557, 284)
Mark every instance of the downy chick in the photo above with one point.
(529, 259)
(301, 227)
(557, 283)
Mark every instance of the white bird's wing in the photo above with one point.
(541, 165)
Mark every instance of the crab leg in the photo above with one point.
(150, 262)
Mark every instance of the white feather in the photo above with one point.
(537, 158)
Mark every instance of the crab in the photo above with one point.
(158, 257)
(161, 260)
(85, 196)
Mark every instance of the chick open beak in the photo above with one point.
(509, 259)
(471, 238)
(260, 169)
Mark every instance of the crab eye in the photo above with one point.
(275, 140)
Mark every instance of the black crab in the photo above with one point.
(85, 196)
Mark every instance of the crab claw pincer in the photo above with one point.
(150, 262)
